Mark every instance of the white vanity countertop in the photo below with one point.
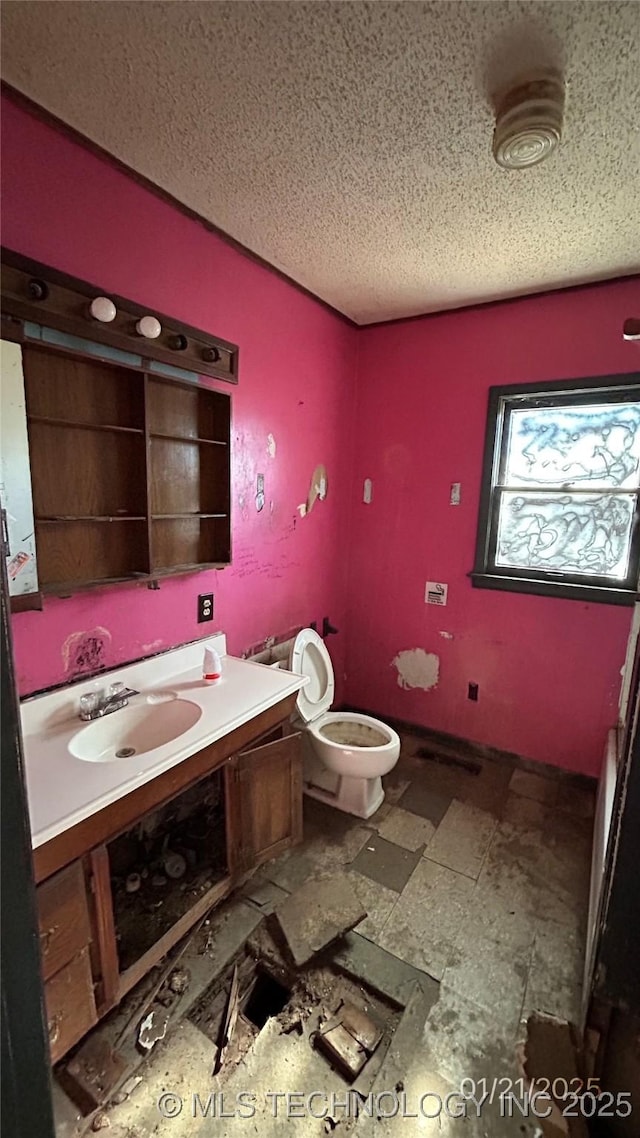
(64, 790)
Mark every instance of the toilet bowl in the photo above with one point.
(345, 753)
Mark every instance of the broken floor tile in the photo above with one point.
(317, 914)
(377, 900)
(423, 925)
(386, 863)
(383, 971)
(263, 893)
(555, 978)
(406, 829)
(421, 799)
(291, 870)
(535, 786)
(462, 839)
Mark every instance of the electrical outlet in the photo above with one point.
(472, 693)
(205, 607)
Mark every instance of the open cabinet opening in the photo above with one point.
(165, 864)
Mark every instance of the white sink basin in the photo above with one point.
(134, 730)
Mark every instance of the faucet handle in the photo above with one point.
(115, 689)
(90, 702)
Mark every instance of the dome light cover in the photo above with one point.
(528, 123)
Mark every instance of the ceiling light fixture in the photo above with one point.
(528, 123)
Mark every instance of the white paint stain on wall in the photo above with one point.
(417, 669)
(271, 446)
(152, 646)
(446, 635)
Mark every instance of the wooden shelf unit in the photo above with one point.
(130, 471)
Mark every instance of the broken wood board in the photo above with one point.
(317, 914)
(229, 1022)
(342, 1050)
(349, 1038)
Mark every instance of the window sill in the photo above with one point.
(596, 594)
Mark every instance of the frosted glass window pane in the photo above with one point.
(570, 533)
(565, 446)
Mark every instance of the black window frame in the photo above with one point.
(503, 400)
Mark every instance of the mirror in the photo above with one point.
(18, 536)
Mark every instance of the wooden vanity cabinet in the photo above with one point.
(65, 936)
(261, 768)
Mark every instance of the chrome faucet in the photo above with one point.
(95, 704)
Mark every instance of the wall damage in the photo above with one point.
(417, 669)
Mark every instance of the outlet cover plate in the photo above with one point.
(205, 607)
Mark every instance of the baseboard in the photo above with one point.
(444, 742)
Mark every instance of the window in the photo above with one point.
(561, 483)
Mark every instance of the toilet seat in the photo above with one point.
(309, 657)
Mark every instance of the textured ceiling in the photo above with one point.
(349, 144)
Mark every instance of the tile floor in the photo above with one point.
(478, 880)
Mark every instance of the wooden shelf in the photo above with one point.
(188, 439)
(171, 517)
(64, 588)
(130, 473)
(91, 518)
(48, 419)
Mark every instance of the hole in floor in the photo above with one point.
(267, 998)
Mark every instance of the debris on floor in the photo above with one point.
(551, 1062)
(179, 981)
(348, 1038)
(153, 1028)
(229, 1022)
(318, 913)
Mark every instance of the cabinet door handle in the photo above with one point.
(46, 938)
(53, 1027)
(5, 535)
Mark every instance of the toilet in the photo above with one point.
(345, 754)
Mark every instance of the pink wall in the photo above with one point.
(64, 206)
(548, 670)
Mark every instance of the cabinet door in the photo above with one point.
(264, 800)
